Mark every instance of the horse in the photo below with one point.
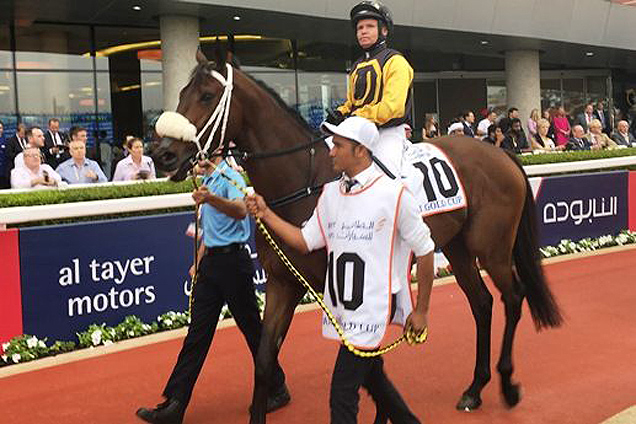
(285, 164)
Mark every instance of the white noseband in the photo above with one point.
(177, 126)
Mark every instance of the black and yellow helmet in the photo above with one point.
(368, 9)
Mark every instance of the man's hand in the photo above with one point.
(416, 323)
(256, 205)
(91, 175)
(201, 195)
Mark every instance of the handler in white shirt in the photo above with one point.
(34, 174)
(370, 223)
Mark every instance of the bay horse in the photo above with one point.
(497, 229)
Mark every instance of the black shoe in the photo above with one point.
(169, 412)
(277, 400)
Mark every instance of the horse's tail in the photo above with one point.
(543, 307)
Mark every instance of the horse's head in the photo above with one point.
(193, 124)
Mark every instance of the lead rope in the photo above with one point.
(409, 336)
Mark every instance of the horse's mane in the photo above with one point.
(201, 71)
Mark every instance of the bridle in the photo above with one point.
(177, 126)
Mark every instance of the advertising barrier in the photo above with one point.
(10, 298)
(100, 272)
(578, 206)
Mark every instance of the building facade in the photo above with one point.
(113, 68)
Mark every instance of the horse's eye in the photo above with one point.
(207, 97)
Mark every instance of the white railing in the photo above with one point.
(22, 214)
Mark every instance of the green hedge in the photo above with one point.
(575, 156)
(44, 197)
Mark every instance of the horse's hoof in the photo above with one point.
(512, 395)
(468, 403)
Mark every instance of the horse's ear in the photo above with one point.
(220, 55)
(201, 59)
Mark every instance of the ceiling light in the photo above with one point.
(589, 54)
(237, 18)
(484, 42)
(137, 8)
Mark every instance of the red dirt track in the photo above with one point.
(584, 372)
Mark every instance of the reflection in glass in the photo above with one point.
(550, 94)
(573, 96)
(319, 91)
(47, 46)
(67, 96)
(6, 61)
(151, 100)
(7, 103)
(497, 95)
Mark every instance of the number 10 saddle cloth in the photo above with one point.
(432, 179)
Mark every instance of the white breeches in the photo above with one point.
(391, 147)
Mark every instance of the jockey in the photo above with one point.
(379, 86)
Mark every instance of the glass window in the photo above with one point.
(141, 43)
(573, 96)
(47, 46)
(6, 61)
(319, 91)
(7, 104)
(597, 89)
(497, 95)
(67, 96)
(550, 93)
(151, 100)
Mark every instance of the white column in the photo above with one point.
(523, 83)
(179, 44)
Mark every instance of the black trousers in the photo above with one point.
(222, 278)
(351, 372)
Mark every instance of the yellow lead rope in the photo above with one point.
(409, 336)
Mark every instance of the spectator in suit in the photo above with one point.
(622, 136)
(578, 140)
(468, 120)
(79, 169)
(55, 144)
(35, 138)
(601, 115)
(515, 140)
(562, 127)
(597, 138)
(486, 123)
(14, 146)
(505, 122)
(584, 119)
(135, 166)
(532, 123)
(34, 174)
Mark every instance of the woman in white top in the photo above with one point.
(542, 139)
(135, 166)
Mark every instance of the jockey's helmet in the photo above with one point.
(368, 9)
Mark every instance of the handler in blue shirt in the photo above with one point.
(224, 276)
(79, 169)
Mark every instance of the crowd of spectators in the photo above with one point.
(550, 130)
(37, 158)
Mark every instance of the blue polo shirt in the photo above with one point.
(218, 228)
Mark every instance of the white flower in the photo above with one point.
(168, 322)
(108, 343)
(96, 337)
(41, 344)
(16, 358)
(146, 327)
(32, 342)
(5, 346)
(4, 358)
(131, 333)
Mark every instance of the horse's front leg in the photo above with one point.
(282, 298)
